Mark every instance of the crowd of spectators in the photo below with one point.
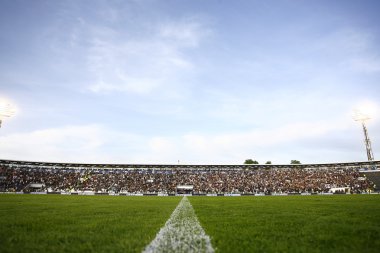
(244, 181)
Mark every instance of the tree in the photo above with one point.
(250, 161)
(295, 162)
(268, 162)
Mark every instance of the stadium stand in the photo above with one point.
(373, 176)
(62, 178)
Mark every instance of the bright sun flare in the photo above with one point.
(365, 110)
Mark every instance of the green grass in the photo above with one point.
(49, 223)
(339, 223)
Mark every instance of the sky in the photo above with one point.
(189, 82)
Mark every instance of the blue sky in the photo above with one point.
(191, 81)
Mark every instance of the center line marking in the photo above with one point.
(182, 232)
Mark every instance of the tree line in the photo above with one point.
(251, 161)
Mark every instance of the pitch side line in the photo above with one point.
(181, 233)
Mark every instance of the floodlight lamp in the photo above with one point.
(6, 110)
(360, 116)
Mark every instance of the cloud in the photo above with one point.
(313, 141)
(260, 137)
(234, 147)
(142, 64)
(353, 49)
(85, 144)
(343, 40)
(128, 47)
(56, 144)
(365, 65)
(186, 33)
(77, 143)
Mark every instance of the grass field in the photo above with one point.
(339, 223)
(48, 223)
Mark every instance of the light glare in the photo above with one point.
(6, 109)
(365, 110)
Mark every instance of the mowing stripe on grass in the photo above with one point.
(181, 233)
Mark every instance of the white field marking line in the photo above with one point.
(182, 233)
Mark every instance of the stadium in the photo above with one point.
(170, 180)
(216, 207)
(169, 126)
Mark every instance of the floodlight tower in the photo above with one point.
(362, 118)
(6, 111)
